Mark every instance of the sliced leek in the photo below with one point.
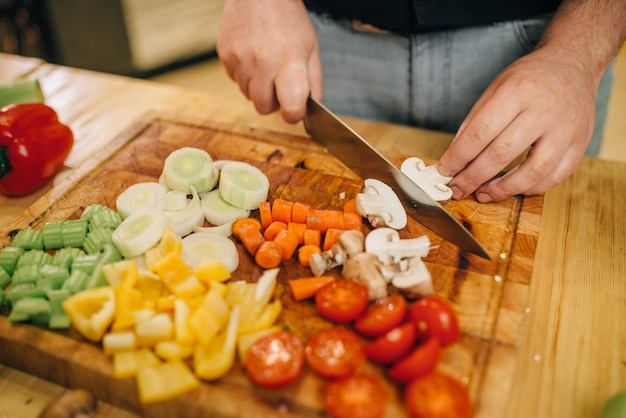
(203, 246)
(140, 195)
(218, 211)
(140, 231)
(188, 167)
(183, 221)
(243, 185)
(224, 230)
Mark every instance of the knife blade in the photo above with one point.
(358, 155)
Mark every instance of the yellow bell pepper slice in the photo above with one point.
(165, 381)
(177, 276)
(128, 363)
(127, 301)
(173, 350)
(214, 360)
(91, 311)
(115, 342)
(211, 270)
(265, 319)
(159, 327)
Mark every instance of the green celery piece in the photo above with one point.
(9, 257)
(105, 218)
(110, 254)
(26, 274)
(96, 238)
(52, 276)
(86, 263)
(17, 293)
(77, 281)
(28, 239)
(23, 91)
(65, 257)
(74, 232)
(58, 317)
(90, 210)
(37, 310)
(5, 278)
(53, 235)
(35, 257)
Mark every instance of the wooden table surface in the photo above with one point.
(572, 350)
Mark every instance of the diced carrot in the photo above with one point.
(350, 206)
(313, 237)
(315, 219)
(352, 220)
(305, 252)
(307, 287)
(248, 230)
(299, 229)
(288, 242)
(331, 237)
(333, 219)
(269, 255)
(265, 211)
(281, 210)
(273, 229)
(299, 212)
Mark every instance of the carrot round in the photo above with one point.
(265, 211)
(269, 255)
(248, 230)
(299, 212)
(331, 237)
(350, 206)
(299, 229)
(313, 237)
(288, 242)
(273, 229)
(307, 287)
(315, 219)
(333, 219)
(352, 220)
(281, 210)
(305, 252)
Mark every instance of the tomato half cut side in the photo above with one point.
(275, 359)
(381, 316)
(392, 346)
(435, 317)
(335, 353)
(437, 395)
(359, 396)
(420, 362)
(342, 300)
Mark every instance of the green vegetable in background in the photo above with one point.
(615, 407)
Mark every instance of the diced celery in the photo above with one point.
(96, 238)
(9, 257)
(28, 239)
(58, 317)
(25, 290)
(36, 257)
(65, 256)
(37, 310)
(26, 274)
(86, 263)
(105, 219)
(53, 235)
(52, 277)
(74, 232)
(5, 278)
(91, 209)
(76, 282)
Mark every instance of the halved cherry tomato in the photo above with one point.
(435, 317)
(342, 300)
(359, 396)
(392, 346)
(437, 395)
(381, 316)
(275, 359)
(335, 352)
(420, 362)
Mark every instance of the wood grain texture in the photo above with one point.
(490, 297)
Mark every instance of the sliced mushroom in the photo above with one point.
(322, 262)
(364, 268)
(352, 242)
(380, 205)
(416, 281)
(390, 249)
(428, 178)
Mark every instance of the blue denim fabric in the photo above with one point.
(429, 80)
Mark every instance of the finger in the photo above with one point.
(292, 90)
(315, 75)
(510, 144)
(262, 94)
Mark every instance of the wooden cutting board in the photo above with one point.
(490, 297)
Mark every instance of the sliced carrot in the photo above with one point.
(269, 255)
(281, 210)
(273, 229)
(299, 229)
(315, 219)
(313, 237)
(307, 287)
(350, 206)
(248, 230)
(299, 212)
(265, 211)
(305, 252)
(288, 242)
(352, 220)
(331, 237)
(333, 219)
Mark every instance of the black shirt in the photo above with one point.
(429, 15)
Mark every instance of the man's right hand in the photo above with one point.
(269, 48)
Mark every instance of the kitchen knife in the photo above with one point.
(358, 155)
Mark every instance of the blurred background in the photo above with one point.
(172, 42)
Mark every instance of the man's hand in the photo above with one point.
(269, 48)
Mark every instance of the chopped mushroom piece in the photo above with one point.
(322, 262)
(387, 245)
(416, 281)
(380, 205)
(352, 241)
(428, 178)
(364, 268)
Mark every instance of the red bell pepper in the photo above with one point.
(33, 147)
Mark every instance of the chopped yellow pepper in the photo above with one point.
(128, 363)
(165, 381)
(211, 270)
(91, 311)
(177, 276)
(214, 360)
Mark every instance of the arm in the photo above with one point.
(269, 48)
(545, 100)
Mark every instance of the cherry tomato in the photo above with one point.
(421, 361)
(437, 395)
(392, 346)
(335, 353)
(275, 359)
(342, 300)
(381, 316)
(435, 317)
(358, 396)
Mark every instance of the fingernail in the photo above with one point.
(456, 192)
(484, 197)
